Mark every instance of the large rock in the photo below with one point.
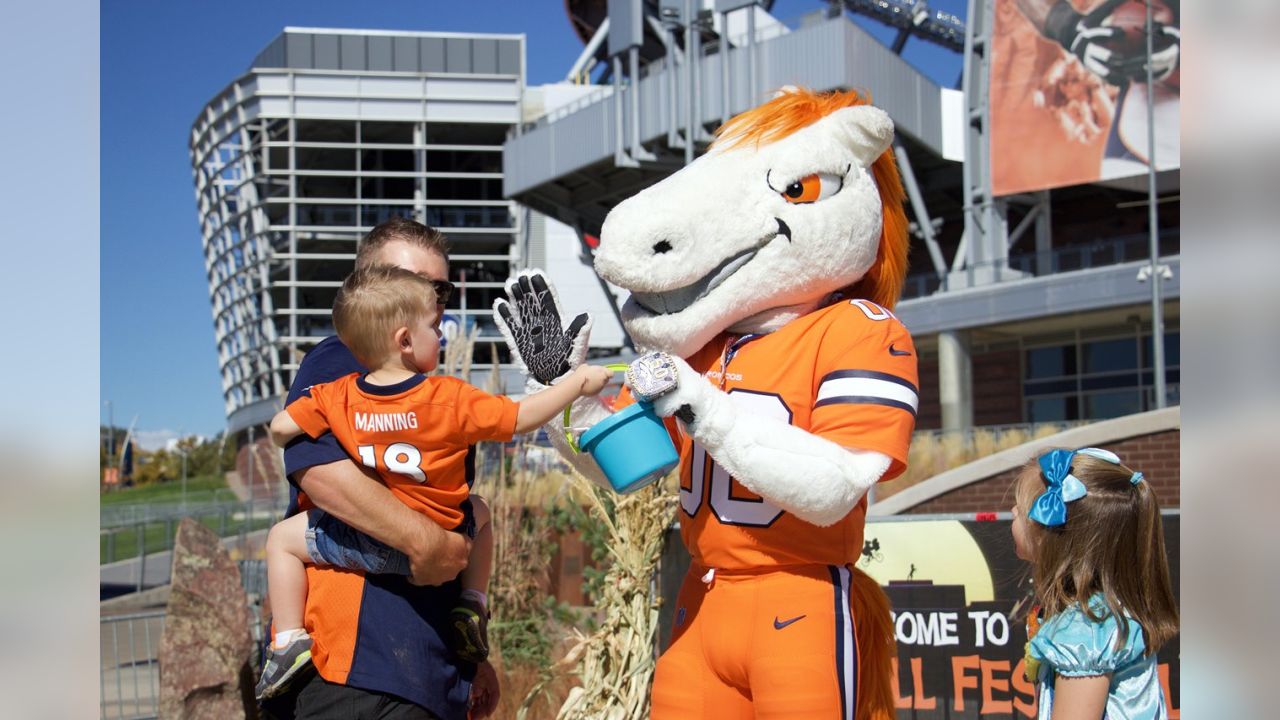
(206, 646)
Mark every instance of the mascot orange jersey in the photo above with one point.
(859, 390)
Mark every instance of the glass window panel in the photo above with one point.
(390, 160)
(1172, 342)
(463, 189)
(1053, 409)
(1110, 355)
(1101, 406)
(373, 214)
(335, 131)
(326, 186)
(309, 158)
(1049, 362)
(457, 217)
(1049, 387)
(466, 133)
(278, 213)
(478, 161)
(1171, 350)
(279, 157)
(1109, 382)
(387, 188)
(326, 214)
(400, 133)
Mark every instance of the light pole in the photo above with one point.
(111, 435)
(183, 450)
(1157, 305)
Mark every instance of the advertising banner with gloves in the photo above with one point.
(1069, 94)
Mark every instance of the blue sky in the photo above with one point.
(161, 62)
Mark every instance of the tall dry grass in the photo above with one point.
(934, 452)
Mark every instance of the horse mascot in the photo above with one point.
(767, 269)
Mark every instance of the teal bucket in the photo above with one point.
(632, 447)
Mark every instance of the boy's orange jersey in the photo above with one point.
(846, 373)
(416, 433)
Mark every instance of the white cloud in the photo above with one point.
(150, 440)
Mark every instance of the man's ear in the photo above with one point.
(864, 129)
(404, 341)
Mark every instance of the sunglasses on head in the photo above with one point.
(444, 290)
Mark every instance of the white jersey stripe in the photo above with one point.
(848, 663)
(868, 387)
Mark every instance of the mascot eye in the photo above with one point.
(812, 188)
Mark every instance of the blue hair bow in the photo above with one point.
(1050, 508)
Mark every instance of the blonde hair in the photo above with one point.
(1111, 543)
(373, 303)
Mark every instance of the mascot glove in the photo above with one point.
(811, 477)
(541, 342)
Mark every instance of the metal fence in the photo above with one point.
(117, 515)
(132, 530)
(1102, 253)
(130, 646)
(130, 671)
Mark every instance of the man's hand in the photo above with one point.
(484, 691)
(440, 558)
(535, 332)
(355, 496)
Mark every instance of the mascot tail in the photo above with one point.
(873, 627)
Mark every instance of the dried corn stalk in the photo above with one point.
(615, 663)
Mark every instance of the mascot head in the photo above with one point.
(795, 200)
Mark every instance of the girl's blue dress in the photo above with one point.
(1072, 645)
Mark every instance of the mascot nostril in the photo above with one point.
(660, 247)
(784, 229)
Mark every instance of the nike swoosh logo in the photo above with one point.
(896, 352)
(779, 624)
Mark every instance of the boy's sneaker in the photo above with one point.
(283, 665)
(469, 631)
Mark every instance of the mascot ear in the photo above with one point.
(864, 129)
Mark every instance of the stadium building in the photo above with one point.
(328, 133)
(1027, 306)
(1030, 297)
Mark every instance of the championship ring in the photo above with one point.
(651, 376)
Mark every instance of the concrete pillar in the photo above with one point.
(955, 380)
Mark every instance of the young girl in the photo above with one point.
(1090, 527)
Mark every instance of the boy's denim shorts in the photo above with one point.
(332, 542)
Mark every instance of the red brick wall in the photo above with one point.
(997, 390)
(1156, 455)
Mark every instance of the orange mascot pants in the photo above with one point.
(771, 643)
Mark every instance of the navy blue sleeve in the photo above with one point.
(326, 362)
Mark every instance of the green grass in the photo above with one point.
(158, 537)
(204, 488)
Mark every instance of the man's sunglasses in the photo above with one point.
(444, 291)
